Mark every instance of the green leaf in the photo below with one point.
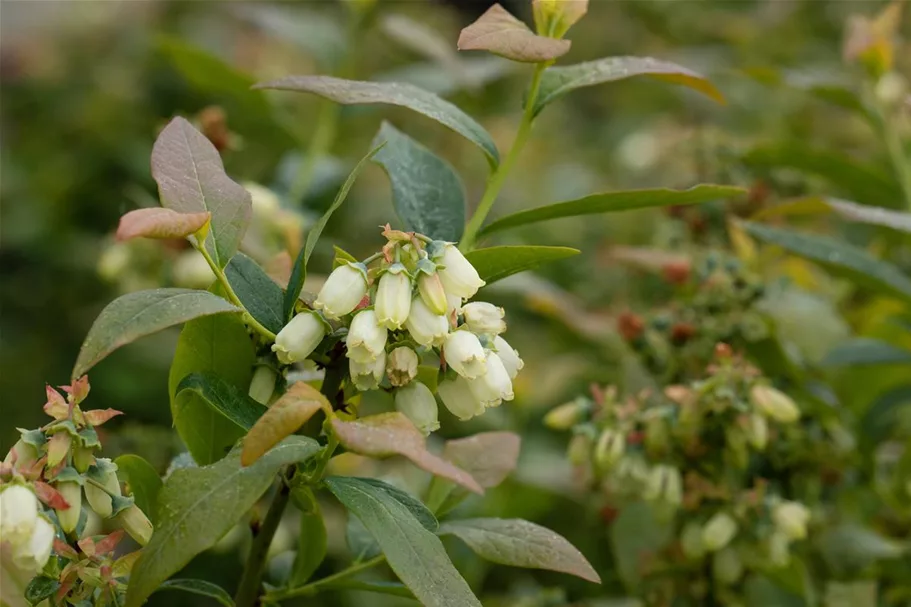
(426, 191)
(40, 588)
(849, 548)
(496, 263)
(500, 33)
(360, 543)
(636, 537)
(353, 92)
(558, 81)
(143, 482)
(611, 202)
(882, 416)
(872, 215)
(838, 257)
(191, 179)
(261, 296)
(474, 72)
(865, 351)
(415, 554)
(136, 315)
(861, 182)
(299, 271)
(413, 504)
(390, 588)
(219, 345)
(311, 542)
(197, 506)
(200, 587)
(519, 543)
(224, 398)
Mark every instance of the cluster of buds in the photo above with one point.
(47, 479)
(402, 311)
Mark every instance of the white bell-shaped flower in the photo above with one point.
(430, 287)
(484, 318)
(457, 396)
(494, 386)
(718, 531)
(366, 339)
(509, 356)
(18, 513)
(791, 518)
(464, 353)
(393, 297)
(342, 291)
(453, 304)
(368, 375)
(33, 554)
(417, 403)
(458, 275)
(426, 327)
(300, 337)
(401, 366)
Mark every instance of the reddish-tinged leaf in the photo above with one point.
(502, 34)
(79, 390)
(109, 543)
(56, 405)
(65, 550)
(87, 545)
(96, 417)
(160, 223)
(489, 456)
(284, 418)
(58, 447)
(64, 590)
(389, 434)
(50, 496)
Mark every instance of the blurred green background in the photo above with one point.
(86, 85)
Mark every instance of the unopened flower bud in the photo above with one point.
(494, 385)
(779, 549)
(114, 261)
(137, 524)
(18, 512)
(891, 88)
(22, 456)
(401, 366)
(83, 457)
(432, 292)
(727, 567)
(774, 404)
(509, 356)
(366, 339)
(342, 291)
(484, 318)
(609, 448)
(458, 275)
(300, 337)
(756, 429)
(393, 297)
(58, 447)
(464, 353)
(579, 450)
(99, 498)
(72, 493)
(657, 437)
(426, 327)
(691, 541)
(737, 449)
(791, 519)
(368, 375)
(263, 384)
(718, 532)
(416, 401)
(264, 201)
(457, 396)
(555, 17)
(567, 415)
(664, 484)
(192, 271)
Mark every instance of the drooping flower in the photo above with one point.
(509, 356)
(774, 404)
(401, 366)
(393, 297)
(494, 386)
(263, 384)
(18, 512)
(34, 553)
(366, 338)
(426, 327)
(300, 337)
(484, 318)
(465, 354)
(417, 403)
(610, 448)
(791, 519)
(367, 375)
(342, 291)
(718, 531)
(459, 399)
(432, 293)
(459, 277)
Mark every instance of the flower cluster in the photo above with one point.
(43, 481)
(407, 314)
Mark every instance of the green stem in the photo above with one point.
(328, 581)
(232, 296)
(496, 180)
(250, 581)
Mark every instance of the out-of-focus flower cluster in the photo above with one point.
(407, 328)
(49, 481)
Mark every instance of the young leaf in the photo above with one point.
(234, 405)
(192, 179)
(261, 296)
(197, 506)
(157, 222)
(142, 481)
(838, 257)
(611, 202)
(557, 81)
(502, 34)
(311, 542)
(389, 434)
(519, 543)
(353, 92)
(136, 315)
(426, 191)
(299, 271)
(218, 345)
(496, 263)
(284, 417)
(865, 351)
(489, 457)
(415, 554)
(200, 587)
